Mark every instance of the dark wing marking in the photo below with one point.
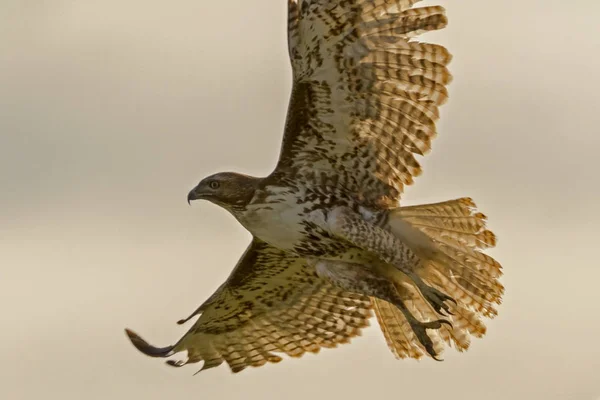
(365, 97)
(272, 302)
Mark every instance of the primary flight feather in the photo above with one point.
(331, 242)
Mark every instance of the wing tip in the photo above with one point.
(147, 348)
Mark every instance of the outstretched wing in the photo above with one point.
(365, 96)
(272, 302)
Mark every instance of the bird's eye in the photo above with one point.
(214, 184)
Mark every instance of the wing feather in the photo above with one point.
(273, 302)
(365, 98)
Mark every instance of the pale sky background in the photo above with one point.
(110, 111)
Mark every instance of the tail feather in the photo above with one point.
(419, 307)
(449, 237)
(466, 322)
(462, 207)
(469, 257)
(480, 240)
(471, 299)
(397, 332)
(453, 220)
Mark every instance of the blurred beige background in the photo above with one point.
(110, 111)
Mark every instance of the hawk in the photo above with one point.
(331, 243)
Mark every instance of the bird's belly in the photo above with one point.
(282, 225)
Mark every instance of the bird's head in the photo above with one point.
(226, 189)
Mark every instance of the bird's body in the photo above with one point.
(294, 218)
(281, 216)
(331, 243)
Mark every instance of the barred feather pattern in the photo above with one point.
(273, 302)
(365, 97)
(322, 320)
(459, 270)
(364, 104)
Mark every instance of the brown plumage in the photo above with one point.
(273, 302)
(331, 242)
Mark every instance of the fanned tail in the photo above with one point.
(449, 237)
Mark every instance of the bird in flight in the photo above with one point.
(331, 244)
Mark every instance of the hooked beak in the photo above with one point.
(194, 194)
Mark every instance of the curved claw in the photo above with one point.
(443, 310)
(438, 300)
(444, 307)
(419, 328)
(433, 296)
(441, 295)
(437, 324)
(443, 321)
(147, 348)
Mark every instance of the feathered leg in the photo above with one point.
(361, 279)
(350, 226)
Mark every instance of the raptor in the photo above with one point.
(331, 243)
